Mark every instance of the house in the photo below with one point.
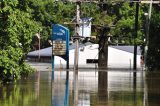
(118, 56)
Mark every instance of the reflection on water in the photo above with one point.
(60, 91)
(153, 88)
(100, 88)
(33, 91)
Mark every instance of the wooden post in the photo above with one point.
(76, 54)
(135, 36)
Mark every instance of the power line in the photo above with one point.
(115, 1)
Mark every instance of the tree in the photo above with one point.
(16, 31)
(153, 54)
(124, 27)
(48, 12)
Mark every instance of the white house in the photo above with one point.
(118, 56)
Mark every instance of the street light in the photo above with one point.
(146, 37)
(39, 40)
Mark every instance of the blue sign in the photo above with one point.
(60, 38)
(59, 32)
(60, 44)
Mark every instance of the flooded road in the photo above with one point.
(95, 88)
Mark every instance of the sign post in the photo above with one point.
(60, 44)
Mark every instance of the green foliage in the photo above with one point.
(16, 31)
(9, 68)
(153, 55)
(48, 12)
(125, 25)
(21, 29)
(25, 69)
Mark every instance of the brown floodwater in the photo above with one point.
(91, 88)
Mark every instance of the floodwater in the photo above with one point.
(92, 88)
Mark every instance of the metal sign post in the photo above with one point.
(60, 44)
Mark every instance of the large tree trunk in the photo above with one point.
(103, 54)
(103, 50)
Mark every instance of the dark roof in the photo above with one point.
(129, 49)
(46, 52)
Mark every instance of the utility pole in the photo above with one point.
(135, 36)
(77, 35)
(148, 17)
(76, 58)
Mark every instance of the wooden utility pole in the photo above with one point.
(135, 36)
(76, 37)
(148, 17)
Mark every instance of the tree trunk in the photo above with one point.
(103, 50)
